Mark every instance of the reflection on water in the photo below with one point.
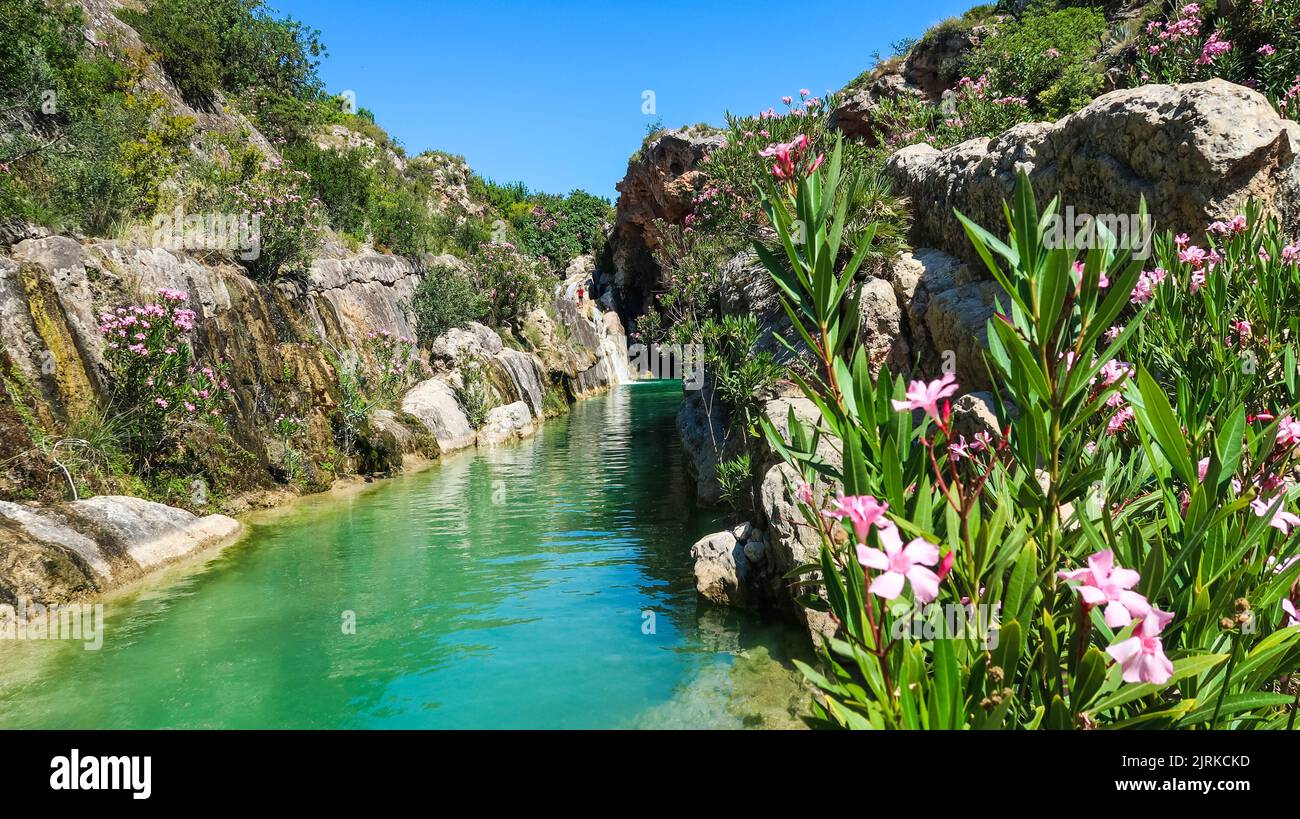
(507, 587)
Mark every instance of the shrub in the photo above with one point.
(509, 283)
(1254, 44)
(444, 300)
(1047, 55)
(560, 229)
(159, 392)
(396, 362)
(473, 392)
(1175, 513)
(736, 482)
(229, 45)
(341, 180)
(289, 220)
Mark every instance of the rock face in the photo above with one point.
(1195, 151)
(84, 547)
(506, 423)
(933, 65)
(855, 115)
(660, 184)
(702, 427)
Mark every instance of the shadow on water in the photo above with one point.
(542, 584)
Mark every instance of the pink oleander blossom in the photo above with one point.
(1142, 656)
(899, 563)
(1282, 520)
(1292, 616)
(923, 396)
(1104, 583)
(862, 510)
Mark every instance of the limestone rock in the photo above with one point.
(153, 534)
(702, 427)
(660, 185)
(880, 326)
(721, 570)
(506, 423)
(1196, 152)
(434, 403)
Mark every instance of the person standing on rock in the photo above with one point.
(579, 295)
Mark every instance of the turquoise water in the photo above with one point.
(545, 584)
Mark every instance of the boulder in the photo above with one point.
(506, 423)
(152, 534)
(855, 114)
(1196, 152)
(880, 326)
(790, 541)
(721, 570)
(434, 403)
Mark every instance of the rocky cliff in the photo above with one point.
(283, 346)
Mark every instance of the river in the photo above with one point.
(545, 584)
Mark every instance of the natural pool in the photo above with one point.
(545, 584)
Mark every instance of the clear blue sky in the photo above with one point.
(550, 91)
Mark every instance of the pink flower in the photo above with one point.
(1266, 50)
(1202, 467)
(1102, 583)
(946, 564)
(1293, 618)
(1119, 421)
(1114, 370)
(1052, 52)
(786, 99)
(921, 395)
(1214, 47)
(1282, 520)
(863, 510)
(959, 449)
(804, 493)
(1288, 431)
(898, 563)
(1142, 656)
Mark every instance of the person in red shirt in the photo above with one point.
(579, 294)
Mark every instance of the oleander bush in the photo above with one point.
(1254, 43)
(1112, 556)
(160, 395)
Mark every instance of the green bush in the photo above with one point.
(288, 218)
(229, 45)
(444, 300)
(1047, 55)
(510, 283)
(1253, 44)
(560, 229)
(341, 180)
